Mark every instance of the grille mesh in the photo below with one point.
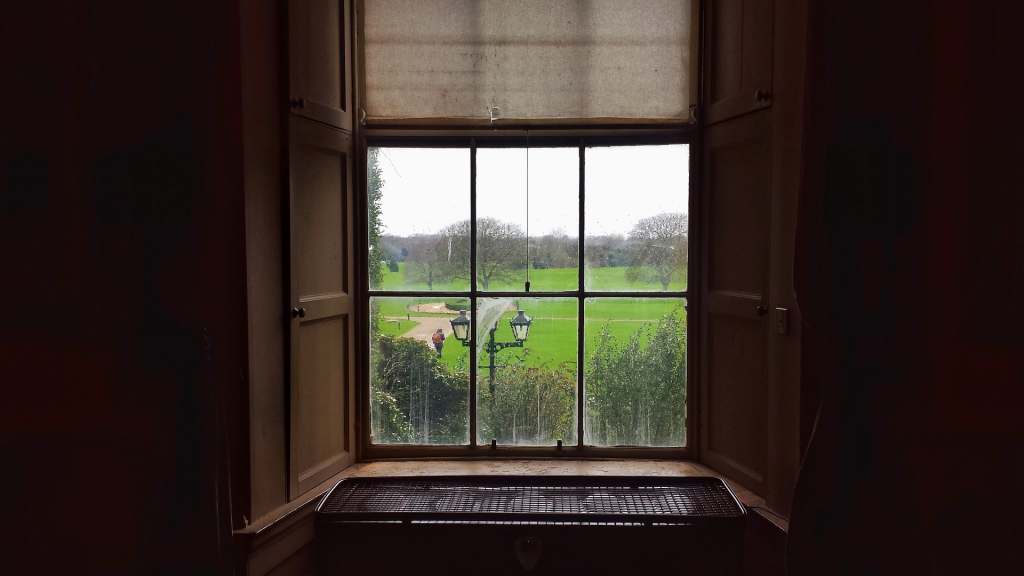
(545, 497)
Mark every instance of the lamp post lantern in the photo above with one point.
(520, 326)
(460, 327)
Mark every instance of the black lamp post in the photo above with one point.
(520, 330)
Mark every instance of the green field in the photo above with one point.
(396, 327)
(553, 332)
(548, 279)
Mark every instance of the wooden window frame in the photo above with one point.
(578, 136)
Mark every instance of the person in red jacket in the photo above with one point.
(438, 340)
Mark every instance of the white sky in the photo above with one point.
(427, 189)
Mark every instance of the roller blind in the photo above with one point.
(527, 59)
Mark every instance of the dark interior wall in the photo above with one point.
(910, 261)
(123, 324)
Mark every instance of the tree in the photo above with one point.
(430, 259)
(374, 192)
(659, 248)
(555, 250)
(607, 250)
(500, 250)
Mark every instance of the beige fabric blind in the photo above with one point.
(527, 59)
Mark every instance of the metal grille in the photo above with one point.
(479, 498)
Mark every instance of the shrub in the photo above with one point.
(414, 398)
(456, 304)
(636, 392)
(530, 405)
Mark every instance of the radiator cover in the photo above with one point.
(529, 525)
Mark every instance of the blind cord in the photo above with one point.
(527, 211)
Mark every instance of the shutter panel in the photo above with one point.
(321, 385)
(320, 60)
(321, 326)
(739, 52)
(737, 226)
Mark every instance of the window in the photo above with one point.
(487, 234)
(527, 225)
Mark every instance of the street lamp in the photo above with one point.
(520, 330)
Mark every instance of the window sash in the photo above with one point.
(473, 140)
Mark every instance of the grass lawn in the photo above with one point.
(548, 279)
(396, 327)
(553, 332)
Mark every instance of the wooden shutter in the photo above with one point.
(320, 60)
(739, 55)
(737, 226)
(320, 167)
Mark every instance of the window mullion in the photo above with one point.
(580, 319)
(472, 296)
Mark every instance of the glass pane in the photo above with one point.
(418, 218)
(635, 372)
(527, 390)
(419, 377)
(550, 219)
(637, 218)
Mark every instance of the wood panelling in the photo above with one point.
(321, 331)
(738, 170)
(753, 160)
(789, 55)
(736, 197)
(319, 402)
(318, 178)
(263, 141)
(320, 57)
(738, 56)
(764, 544)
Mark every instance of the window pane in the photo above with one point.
(529, 396)
(419, 381)
(635, 372)
(418, 201)
(637, 200)
(506, 215)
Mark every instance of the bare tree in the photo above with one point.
(554, 250)
(659, 248)
(430, 259)
(500, 250)
(606, 250)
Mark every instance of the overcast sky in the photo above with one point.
(427, 189)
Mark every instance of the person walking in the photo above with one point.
(438, 340)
